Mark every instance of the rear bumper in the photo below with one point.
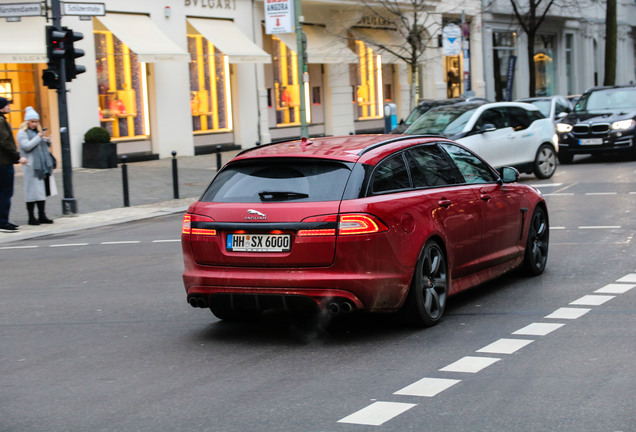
(377, 292)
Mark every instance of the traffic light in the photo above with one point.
(71, 53)
(55, 54)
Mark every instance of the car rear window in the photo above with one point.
(274, 180)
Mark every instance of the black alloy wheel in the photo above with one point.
(536, 255)
(426, 299)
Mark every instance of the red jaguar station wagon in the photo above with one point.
(374, 223)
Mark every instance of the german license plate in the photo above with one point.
(258, 242)
(591, 141)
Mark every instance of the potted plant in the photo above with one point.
(97, 150)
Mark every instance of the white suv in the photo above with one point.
(502, 133)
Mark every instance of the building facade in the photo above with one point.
(190, 75)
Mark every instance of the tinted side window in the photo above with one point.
(472, 168)
(492, 116)
(430, 166)
(518, 118)
(390, 175)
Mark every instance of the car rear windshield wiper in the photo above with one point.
(281, 195)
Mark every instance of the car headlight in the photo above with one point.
(623, 124)
(563, 127)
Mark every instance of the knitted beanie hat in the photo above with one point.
(3, 102)
(31, 114)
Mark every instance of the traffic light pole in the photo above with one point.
(69, 204)
(301, 55)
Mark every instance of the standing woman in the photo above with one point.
(38, 171)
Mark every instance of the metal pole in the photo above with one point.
(175, 176)
(124, 180)
(69, 204)
(218, 158)
(302, 66)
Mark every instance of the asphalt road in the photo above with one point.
(95, 335)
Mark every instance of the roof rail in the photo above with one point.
(393, 140)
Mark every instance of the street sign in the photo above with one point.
(83, 9)
(452, 40)
(20, 10)
(279, 16)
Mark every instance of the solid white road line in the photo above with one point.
(19, 247)
(614, 289)
(69, 245)
(470, 364)
(601, 193)
(601, 227)
(568, 313)
(538, 329)
(377, 413)
(505, 346)
(591, 300)
(427, 387)
(166, 241)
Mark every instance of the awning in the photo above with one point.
(23, 41)
(230, 40)
(322, 46)
(388, 38)
(143, 37)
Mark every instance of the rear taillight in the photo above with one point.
(190, 219)
(351, 224)
(348, 224)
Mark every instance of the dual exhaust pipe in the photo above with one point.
(198, 302)
(344, 307)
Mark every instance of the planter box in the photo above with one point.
(99, 155)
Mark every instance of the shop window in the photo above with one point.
(368, 89)
(504, 55)
(286, 87)
(544, 65)
(210, 95)
(18, 84)
(122, 88)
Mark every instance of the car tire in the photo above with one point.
(426, 300)
(565, 157)
(536, 254)
(545, 162)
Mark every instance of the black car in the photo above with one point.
(429, 104)
(603, 121)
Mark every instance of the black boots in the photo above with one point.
(42, 215)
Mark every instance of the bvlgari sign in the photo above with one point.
(279, 16)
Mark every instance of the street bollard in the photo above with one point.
(218, 158)
(175, 176)
(124, 180)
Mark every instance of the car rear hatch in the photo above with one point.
(269, 213)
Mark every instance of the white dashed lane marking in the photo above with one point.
(591, 300)
(505, 346)
(120, 242)
(614, 289)
(427, 387)
(470, 364)
(537, 329)
(568, 313)
(378, 413)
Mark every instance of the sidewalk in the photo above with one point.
(100, 199)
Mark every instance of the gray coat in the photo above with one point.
(34, 188)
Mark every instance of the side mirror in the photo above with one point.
(488, 127)
(509, 174)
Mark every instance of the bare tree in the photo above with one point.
(611, 35)
(530, 18)
(411, 20)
